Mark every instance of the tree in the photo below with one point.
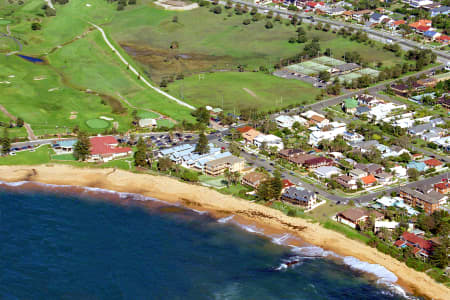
(413, 174)
(164, 164)
(175, 19)
(235, 149)
(81, 150)
(5, 142)
(36, 26)
(19, 122)
(217, 10)
(268, 25)
(246, 22)
(202, 146)
(140, 156)
(201, 114)
(324, 76)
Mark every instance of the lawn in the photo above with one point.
(345, 230)
(40, 156)
(235, 90)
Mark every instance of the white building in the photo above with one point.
(316, 136)
(269, 140)
(352, 137)
(147, 123)
(288, 121)
(326, 172)
(417, 3)
(399, 172)
(310, 113)
(381, 111)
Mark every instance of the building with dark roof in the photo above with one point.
(316, 162)
(423, 197)
(300, 197)
(353, 217)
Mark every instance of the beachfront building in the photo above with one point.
(219, 166)
(106, 148)
(299, 196)
(420, 247)
(268, 140)
(64, 146)
(354, 217)
(254, 179)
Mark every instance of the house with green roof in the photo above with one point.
(350, 105)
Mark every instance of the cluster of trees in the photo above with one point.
(121, 4)
(143, 157)
(271, 188)
(301, 36)
(202, 146)
(441, 22)
(422, 57)
(352, 57)
(166, 165)
(81, 150)
(393, 48)
(5, 142)
(336, 145)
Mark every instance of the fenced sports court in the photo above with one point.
(328, 61)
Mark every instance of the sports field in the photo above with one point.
(243, 90)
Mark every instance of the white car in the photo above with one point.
(12, 153)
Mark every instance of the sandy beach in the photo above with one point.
(203, 198)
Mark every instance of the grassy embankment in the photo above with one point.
(44, 95)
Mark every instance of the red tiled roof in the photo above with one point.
(433, 162)
(244, 129)
(287, 183)
(415, 250)
(414, 239)
(101, 145)
(423, 28)
(399, 243)
(421, 23)
(443, 38)
(369, 179)
(399, 22)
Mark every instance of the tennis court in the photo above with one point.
(328, 61)
(368, 71)
(315, 66)
(299, 68)
(349, 77)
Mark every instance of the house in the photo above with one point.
(423, 197)
(219, 166)
(299, 160)
(254, 179)
(442, 10)
(399, 171)
(428, 82)
(244, 129)
(316, 162)
(418, 165)
(433, 163)
(377, 18)
(394, 25)
(358, 173)
(326, 172)
(421, 247)
(443, 39)
(420, 129)
(431, 35)
(368, 181)
(373, 169)
(400, 89)
(384, 178)
(268, 140)
(300, 197)
(443, 187)
(359, 15)
(106, 148)
(352, 137)
(350, 105)
(250, 135)
(64, 146)
(319, 121)
(382, 111)
(389, 225)
(354, 217)
(347, 182)
(365, 146)
(289, 153)
(284, 121)
(310, 113)
(147, 123)
(335, 11)
(361, 110)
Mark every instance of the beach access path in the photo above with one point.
(133, 70)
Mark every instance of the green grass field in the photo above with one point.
(241, 90)
(97, 123)
(40, 156)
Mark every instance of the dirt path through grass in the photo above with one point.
(27, 126)
(250, 92)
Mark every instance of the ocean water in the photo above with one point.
(61, 245)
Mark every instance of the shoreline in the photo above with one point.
(219, 206)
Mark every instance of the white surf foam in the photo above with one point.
(225, 219)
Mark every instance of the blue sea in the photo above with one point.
(65, 243)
